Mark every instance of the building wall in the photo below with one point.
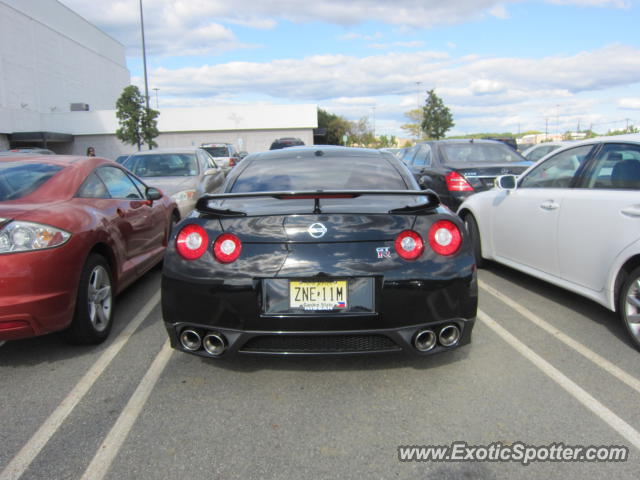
(4, 142)
(109, 146)
(51, 57)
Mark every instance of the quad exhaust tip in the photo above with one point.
(214, 344)
(449, 336)
(425, 340)
(190, 340)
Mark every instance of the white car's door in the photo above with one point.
(525, 220)
(601, 217)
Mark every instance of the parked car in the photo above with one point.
(286, 142)
(184, 173)
(74, 232)
(536, 152)
(506, 140)
(303, 254)
(121, 158)
(572, 220)
(224, 154)
(455, 169)
(32, 150)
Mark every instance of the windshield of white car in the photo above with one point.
(163, 165)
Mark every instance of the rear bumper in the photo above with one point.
(310, 343)
(236, 312)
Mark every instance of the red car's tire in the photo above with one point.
(93, 315)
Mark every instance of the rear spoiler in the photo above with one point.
(203, 205)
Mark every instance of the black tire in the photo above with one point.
(474, 235)
(629, 306)
(93, 316)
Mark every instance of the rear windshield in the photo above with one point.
(455, 153)
(353, 173)
(163, 165)
(18, 179)
(217, 151)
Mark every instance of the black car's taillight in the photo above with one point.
(445, 237)
(457, 183)
(227, 248)
(191, 242)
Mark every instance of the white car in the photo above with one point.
(572, 219)
(536, 152)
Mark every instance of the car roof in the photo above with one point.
(188, 149)
(305, 151)
(463, 140)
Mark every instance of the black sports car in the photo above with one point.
(319, 250)
(455, 169)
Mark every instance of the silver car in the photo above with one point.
(185, 174)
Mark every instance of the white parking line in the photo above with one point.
(110, 447)
(36, 443)
(606, 415)
(600, 361)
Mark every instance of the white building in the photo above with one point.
(60, 77)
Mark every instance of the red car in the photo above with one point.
(74, 232)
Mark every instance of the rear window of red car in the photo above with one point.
(18, 179)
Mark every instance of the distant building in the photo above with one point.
(61, 77)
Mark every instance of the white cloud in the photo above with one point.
(180, 20)
(629, 103)
(499, 11)
(479, 90)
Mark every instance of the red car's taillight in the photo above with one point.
(457, 183)
(227, 248)
(445, 237)
(191, 242)
(409, 245)
(233, 161)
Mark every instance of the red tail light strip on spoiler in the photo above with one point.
(204, 203)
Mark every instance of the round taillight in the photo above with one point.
(227, 248)
(192, 241)
(444, 237)
(409, 245)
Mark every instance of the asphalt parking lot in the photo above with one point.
(545, 366)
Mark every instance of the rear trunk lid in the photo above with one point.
(482, 176)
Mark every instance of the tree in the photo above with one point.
(362, 133)
(336, 126)
(414, 127)
(437, 118)
(387, 141)
(138, 124)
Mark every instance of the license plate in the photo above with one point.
(318, 295)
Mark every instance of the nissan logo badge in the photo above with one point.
(317, 230)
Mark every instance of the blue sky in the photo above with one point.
(499, 66)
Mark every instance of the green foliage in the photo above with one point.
(437, 118)
(137, 124)
(622, 131)
(387, 141)
(362, 133)
(414, 127)
(337, 126)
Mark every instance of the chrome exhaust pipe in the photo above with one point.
(214, 344)
(449, 336)
(190, 340)
(424, 340)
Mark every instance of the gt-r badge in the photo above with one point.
(383, 252)
(317, 230)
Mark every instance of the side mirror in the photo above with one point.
(243, 154)
(153, 193)
(506, 182)
(211, 171)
